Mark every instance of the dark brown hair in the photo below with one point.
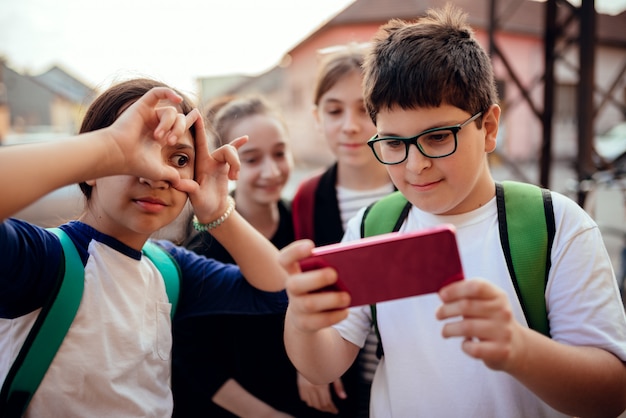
(432, 61)
(110, 105)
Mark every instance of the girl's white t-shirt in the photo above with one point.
(351, 201)
(424, 374)
(128, 355)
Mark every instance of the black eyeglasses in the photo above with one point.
(432, 143)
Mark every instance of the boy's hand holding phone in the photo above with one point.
(391, 266)
(327, 280)
(310, 309)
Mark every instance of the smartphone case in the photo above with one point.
(391, 266)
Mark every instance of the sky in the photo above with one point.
(101, 42)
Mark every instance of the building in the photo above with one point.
(41, 106)
(518, 29)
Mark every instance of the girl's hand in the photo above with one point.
(209, 189)
(489, 330)
(143, 129)
(318, 396)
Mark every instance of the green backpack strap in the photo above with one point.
(55, 319)
(169, 270)
(47, 333)
(527, 229)
(382, 216)
(385, 215)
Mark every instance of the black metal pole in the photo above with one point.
(548, 93)
(585, 105)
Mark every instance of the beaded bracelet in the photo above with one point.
(200, 227)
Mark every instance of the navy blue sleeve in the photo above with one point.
(29, 258)
(211, 287)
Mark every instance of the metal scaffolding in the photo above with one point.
(555, 30)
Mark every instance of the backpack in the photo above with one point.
(304, 205)
(55, 319)
(527, 228)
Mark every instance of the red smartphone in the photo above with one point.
(391, 266)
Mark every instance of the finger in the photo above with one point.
(495, 355)
(231, 157)
(297, 250)
(473, 308)
(322, 301)
(475, 288)
(226, 154)
(156, 94)
(201, 142)
(238, 142)
(170, 175)
(323, 400)
(329, 406)
(167, 123)
(311, 281)
(481, 329)
(186, 186)
(339, 389)
(176, 130)
(233, 170)
(307, 318)
(470, 328)
(151, 99)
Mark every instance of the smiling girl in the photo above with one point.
(355, 180)
(250, 374)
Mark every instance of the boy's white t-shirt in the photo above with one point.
(423, 374)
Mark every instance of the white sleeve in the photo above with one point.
(356, 326)
(582, 296)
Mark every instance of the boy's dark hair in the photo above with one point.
(433, 61)
(109, 106)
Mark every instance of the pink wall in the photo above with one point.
(521, 128)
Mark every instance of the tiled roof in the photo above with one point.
(518, 15)
(65, 85)
(521, 16)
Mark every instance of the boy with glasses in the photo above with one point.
(467, 350)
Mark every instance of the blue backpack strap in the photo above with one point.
(385, 215)
(47, 333)
(169, 270)
(527, 229)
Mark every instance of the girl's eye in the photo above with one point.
(180, 160)
(334, 111)
(250, 161)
